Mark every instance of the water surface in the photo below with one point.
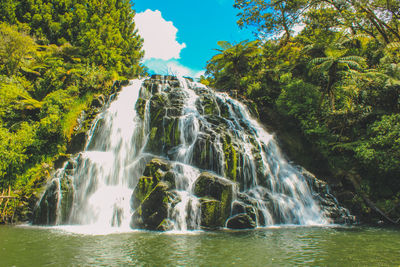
(316, 246)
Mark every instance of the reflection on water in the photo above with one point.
(27, 246)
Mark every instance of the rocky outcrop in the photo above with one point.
(241, 221)
(327, 201)
(56, 203)
(152, 196)
(215, 195)
(152, 212)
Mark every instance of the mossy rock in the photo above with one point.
(142, 190)
(209, 105)
(241, 221)
(231, 158)
(46, 210)
(171, 133)
(165, 225)
(216, 197)
(98, 102)
(45, 213)
(205, 153)
(156, 164)
(141, 107)
(210, 185)
(212, 213)
(154, 209)
(77, 142)
(67, 194)
(158, 104)
(154, 172)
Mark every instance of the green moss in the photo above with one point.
(157, 109)
(226, 199)
(211, 213)
(143, 189)
(230, 159)
(171, 136)
(141, 107)
(67, 193)
(210, 107)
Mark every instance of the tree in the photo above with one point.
(14, 48)
(333, 65)
(270, 17)
(104, 31)
(233, 62)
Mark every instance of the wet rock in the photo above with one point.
(156, 170)
(156, 164)
(231, 158)
(165, 225)
(216, 198)
(45, 213)
(251, 212)
(328, 203)
(46, 210)
(67, 193)
(209, 105)
(241, 221)
(98, 101)
(153, 211)
(238, 207)
(60, 161)
(77, 143)
(210, 185)
(141, 107)
(206, 151)
(213, 213)
(158, 102)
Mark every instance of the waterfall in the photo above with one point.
(148, 153)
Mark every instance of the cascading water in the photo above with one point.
(192, 158)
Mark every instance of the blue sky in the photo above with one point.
(180, 35)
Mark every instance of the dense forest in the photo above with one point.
(336, 83)
(56, 56)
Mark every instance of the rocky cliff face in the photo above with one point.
(195, 159)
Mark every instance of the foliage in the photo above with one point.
(54, 56)
(347, 53)
(270, 17)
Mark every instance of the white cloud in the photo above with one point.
(171, 67)
(297, 28)
(159, 36)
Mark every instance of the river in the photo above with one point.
(274, 246)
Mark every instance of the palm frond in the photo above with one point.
(393, 45)
(350, 64)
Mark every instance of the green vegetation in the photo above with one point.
(338, 81)
(55, 58)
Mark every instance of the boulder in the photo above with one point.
(45, 213)
(241, 221)
(156, 164)
(240, 207)
(46, 210)
(213, 214)
(156, 170)
(210, 185)
(153, 211)
(77, 143)
(215, 198)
